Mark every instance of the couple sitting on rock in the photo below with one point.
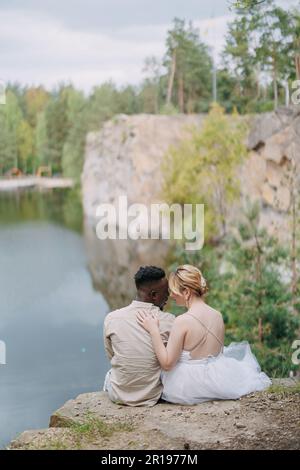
(155, 355)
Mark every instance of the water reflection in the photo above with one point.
(60, 206)
(51, 317)
(113, 263)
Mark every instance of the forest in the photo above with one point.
(254, 74)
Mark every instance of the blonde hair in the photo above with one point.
(187, 276)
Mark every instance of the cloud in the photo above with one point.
(213, 32)
(37, 48)
(96, 15)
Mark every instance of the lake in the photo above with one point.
(51, 316)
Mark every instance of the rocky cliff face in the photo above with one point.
(126, 155)
(265, 420)
(124, 158)
(273, 143)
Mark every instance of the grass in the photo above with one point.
(48, 444)
(55, 445)
(96, 427)
(82, 435)
(283, 390)
(92, 432)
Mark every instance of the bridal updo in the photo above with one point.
(187, 276)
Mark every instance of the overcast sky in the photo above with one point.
(90, 41)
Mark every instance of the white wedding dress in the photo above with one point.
(233, 373)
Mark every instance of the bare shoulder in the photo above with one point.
(181, 320)
(218, 316)
(215, 311)
(180, 325)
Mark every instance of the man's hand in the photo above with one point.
(149, 321)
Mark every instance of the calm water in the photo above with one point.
(50, 315)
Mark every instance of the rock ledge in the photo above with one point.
(267, 420)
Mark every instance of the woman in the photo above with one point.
(196, 366)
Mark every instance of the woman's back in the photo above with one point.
(204, 332)
(205, 370)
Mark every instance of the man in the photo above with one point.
(134, 378)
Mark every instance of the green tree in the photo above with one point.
(239, 57)
(260, 299)
(189, 67)
(57, 124)
(275, 49)
(263, 41)
(295, 25)
(102, 105)
(202, 169)
(41, 140)
(73, 149)
(127, 100)
(5, 158)
(247, 284)
(36, 99)
(11, 120)
(151, 86)
(229, 91)
(243, 5)
(25, 145)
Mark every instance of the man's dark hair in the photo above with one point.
(148, 274)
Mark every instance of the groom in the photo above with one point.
(134, 377)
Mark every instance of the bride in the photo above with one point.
(196, 367)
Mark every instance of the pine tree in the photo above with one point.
(11, 122)
(239, 58)
(41, 140)
(25, 145)
(73, 149)
(248, 277)
(189, 67)
(57, 128)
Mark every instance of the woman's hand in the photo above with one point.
(149, 321)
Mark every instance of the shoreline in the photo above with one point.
(12, 184)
